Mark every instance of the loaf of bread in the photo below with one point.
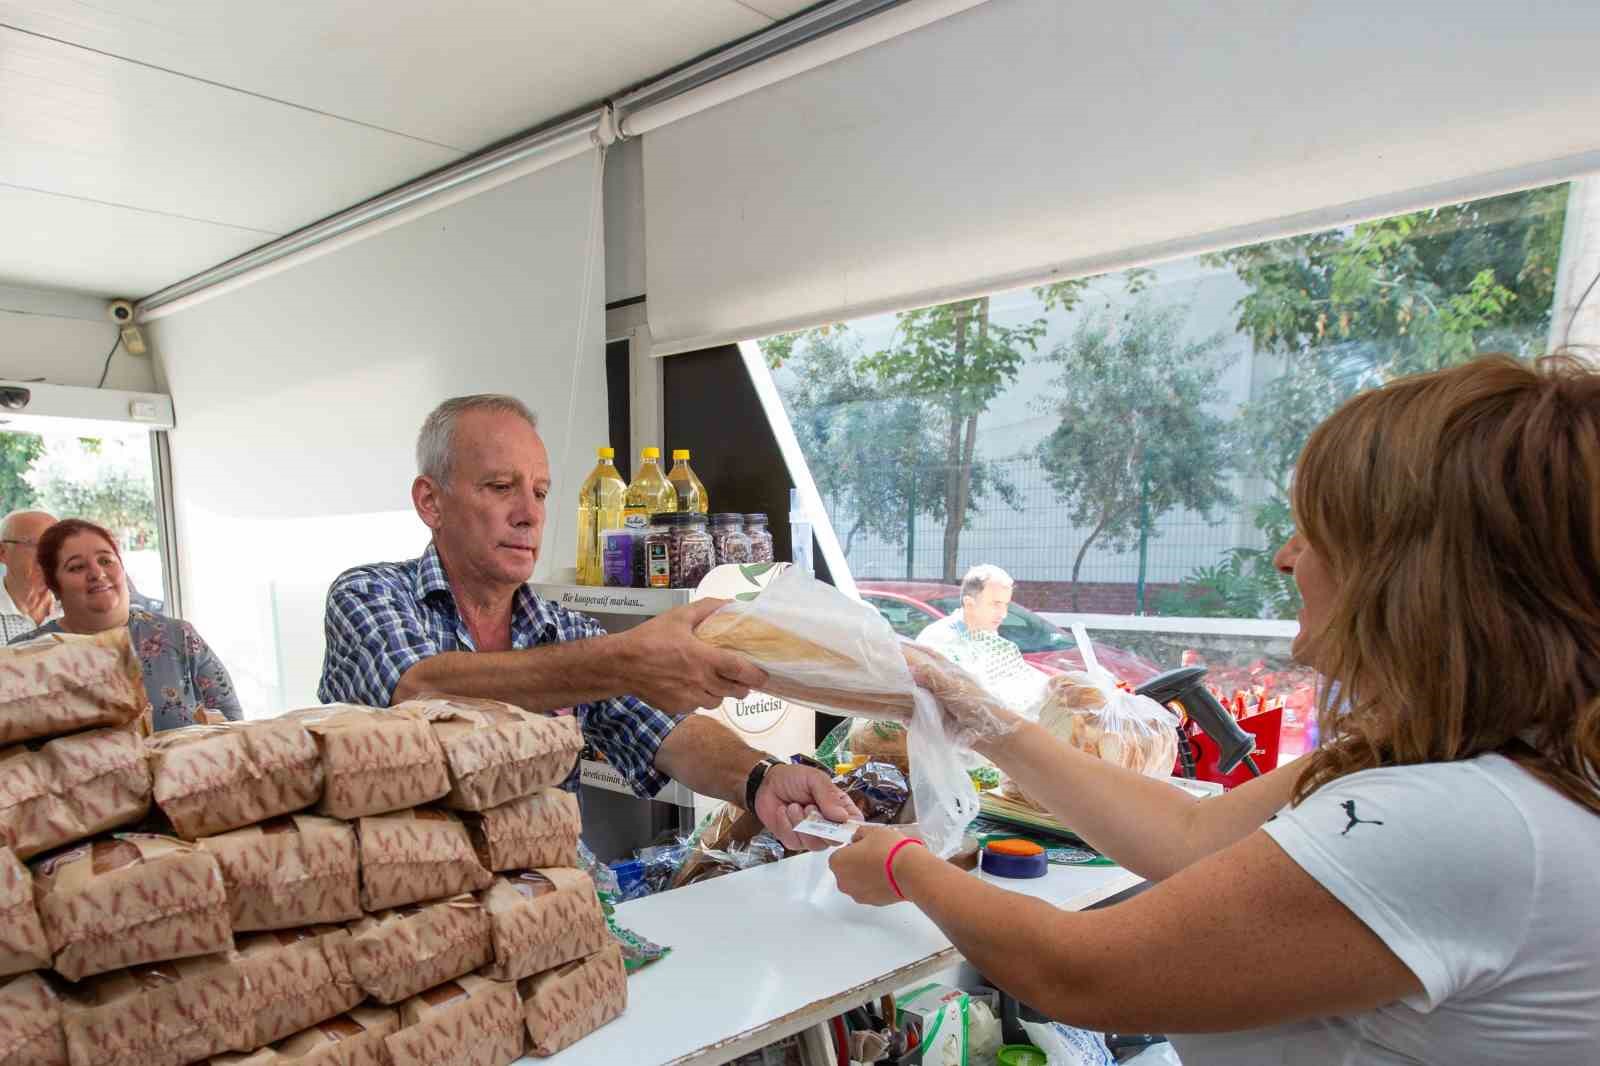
(1119, 727)
(212, 778)
(297, 870)
(469, 1022)
(527, 833)
(62, 683)
(416, 855)
(542, 919)
(399, 953)
(564, 1005)
(30, 1023)
(296, 978)
(22, 943)
(496, 752)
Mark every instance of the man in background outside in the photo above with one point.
(25, 602)
(971, 638)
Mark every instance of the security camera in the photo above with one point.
(121, 312)
(14, 397)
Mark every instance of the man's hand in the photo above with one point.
(664, 664)
(788, 793)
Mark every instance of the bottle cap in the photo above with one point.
(606, 453)
(680, 453)
(650, 453)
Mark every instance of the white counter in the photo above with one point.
(773, 950)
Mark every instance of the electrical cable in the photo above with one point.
(107, 368)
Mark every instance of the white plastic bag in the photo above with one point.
(1064, 1045)
(1089, 711)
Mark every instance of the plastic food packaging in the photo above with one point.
(562, 1006)
(374, 761)
(878, 789)
(527, 833)
(72, 788)
(879, 741)
(63, 683)
(617, 549)
(296, 870)
(208, 779)
(416, 855)
(356, 1038)
(397, 954)
(957, 1027)
(22, 943)
(128, 900)
(542, 919)
(470, 1022)
(30, 1023)
(180, 1011)
(296, 978)
(496, 752)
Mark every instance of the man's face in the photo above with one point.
(20, 551)
(984, 612)
(488, 522)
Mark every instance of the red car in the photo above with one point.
(909, 607)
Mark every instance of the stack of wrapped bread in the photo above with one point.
(339, 886)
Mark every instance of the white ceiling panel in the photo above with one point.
(779, 9)
(457, 75)
(57, 242)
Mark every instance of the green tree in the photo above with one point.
(17, 454)
(83, 478)
(955, 359)
(1134, 437)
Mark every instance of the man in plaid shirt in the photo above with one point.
(462, 620)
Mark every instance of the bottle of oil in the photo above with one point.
(691, 491)
(599, 508)
(650, 494)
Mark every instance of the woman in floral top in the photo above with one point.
(83, 567)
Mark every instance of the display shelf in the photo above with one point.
(604, 775)
(600, 599)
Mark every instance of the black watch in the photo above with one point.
(758, 774)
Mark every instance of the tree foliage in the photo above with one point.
(105, 482)
(17, 453)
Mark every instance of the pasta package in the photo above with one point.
(396, 954)
(64, 683)
(527, 833)
(22, 943)
(296, 870)
(497, 752)
(542, 919)
(562, 1006)
(296, 979)
(30, 1023)
(416, 855)
(128, 900)
(470, 1022)
(208, 779)
(356, 1038)
(373, 761)
(72, 788)
(170, 1012)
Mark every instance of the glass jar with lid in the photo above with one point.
(755, 527)
(693, 551)
(658, 552)
(728, 536)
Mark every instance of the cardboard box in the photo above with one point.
(63, 683)
(30, 1023)
(128, 900)
(354, 1039)
(296, 870)
(209, 779)
(542, 919)
(416, 855)
(527, 833)
(497, 752)
(23, 945)
(297, 978)
(398, 953)
(72, 788)
(564, 1005)
(470, 1022)
(170, 1012)
(373, 761)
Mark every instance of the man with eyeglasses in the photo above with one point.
(25, 602)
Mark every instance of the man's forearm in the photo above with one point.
(707, 757)
(535, 679)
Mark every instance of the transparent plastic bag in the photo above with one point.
(1090, 711)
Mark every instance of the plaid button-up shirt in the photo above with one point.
(385, 618)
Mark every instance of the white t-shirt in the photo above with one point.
(1480, 878)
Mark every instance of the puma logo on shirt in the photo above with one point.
(1350, 811)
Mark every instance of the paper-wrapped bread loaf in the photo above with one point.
(527, 833)
(63, 683)
(208, 779)
(297, 870)
(562, 1006)
(297, 978)
(23, 945)
(416, 855)
(469, 1022)
(396, 954)
(30, 1023)
(374, 761)
(542, 919)
(497, 752)
(72, 788)
(169, 1012)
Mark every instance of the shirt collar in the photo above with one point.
(430, 576)
(528, 611)
(9, 606)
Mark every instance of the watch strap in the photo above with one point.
(752, 784)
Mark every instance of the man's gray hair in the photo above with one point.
(435, 443)
(978, 579)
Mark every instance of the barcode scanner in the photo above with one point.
(1183, 687)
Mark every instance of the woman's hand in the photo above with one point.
(972, 715)
(859, 865)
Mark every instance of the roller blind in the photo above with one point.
(298, 401)
(1026, 139)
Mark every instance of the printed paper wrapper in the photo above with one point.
(470, 1022)
(562, 1006)
(72, 788)
(209, 779)
(22, 943)
(416, 855)
(170, 1012)
(373, 761)
(297, 870)
(30, 1023)
(128, 900)
(353, 1039)
(542, 919)
(497, 752)
(527, 833)
(297, 978)
(397, 954)
(63, 683)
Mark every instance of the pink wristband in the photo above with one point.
(888, 864)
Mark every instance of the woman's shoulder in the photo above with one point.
(178, 633)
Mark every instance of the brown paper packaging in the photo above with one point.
(72, 788)
(353, 1039)
(297, 870)
(209, 779)
(296, 978)
(542, 919)
(396, 954)
(22, 943)
(497, 752)
(61, 683)
(171, 1012)
(30, 1023)
(527, 833)
(416, 855)
(373, 761)
(565, 1005)
(131, 899)
(470, 1022)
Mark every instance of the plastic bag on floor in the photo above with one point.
(1067, 1046)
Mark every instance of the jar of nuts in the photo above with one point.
(755, 527)
(728, 536)
(693, 552)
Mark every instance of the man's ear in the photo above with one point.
(426, 498)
